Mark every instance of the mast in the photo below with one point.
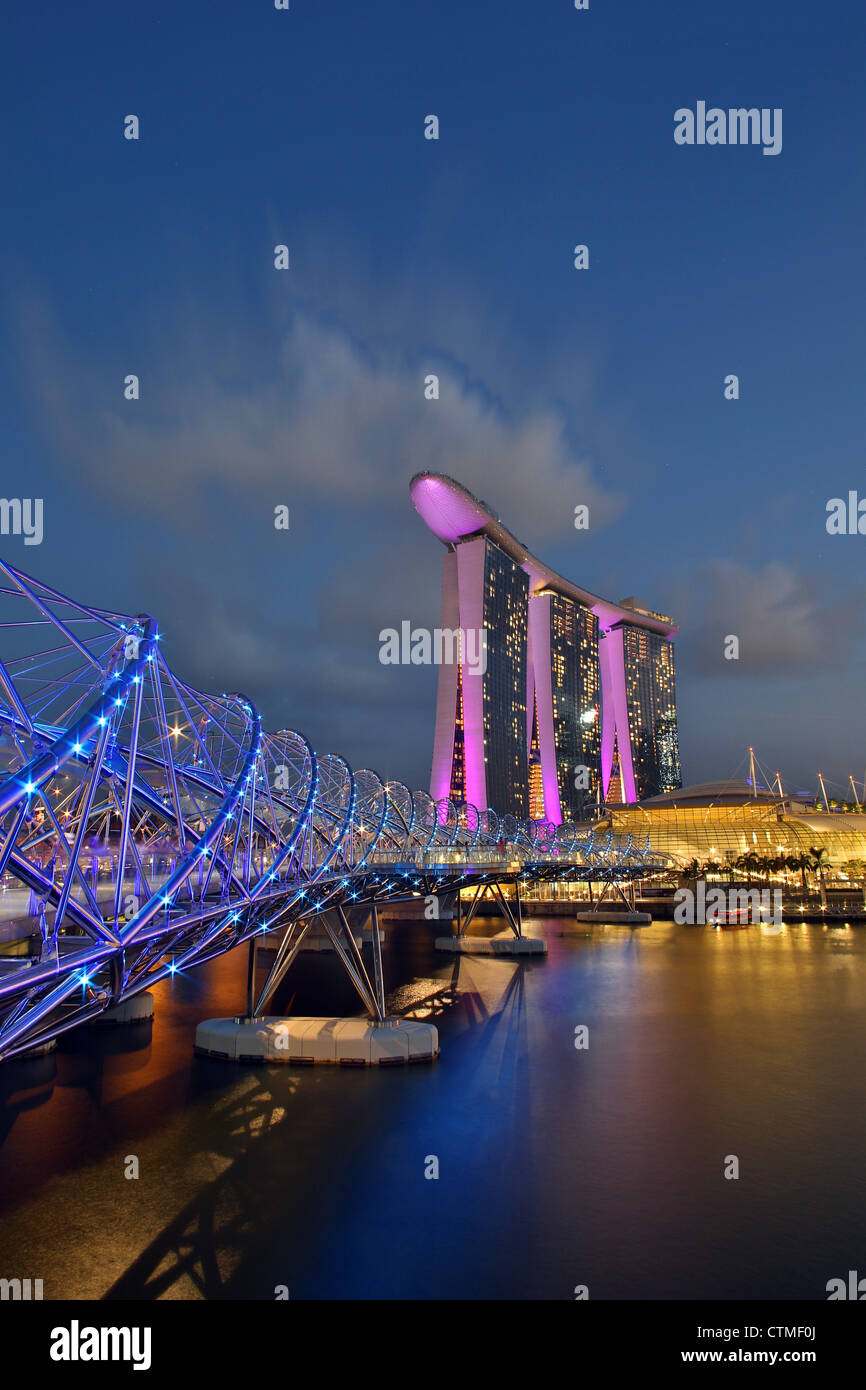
(779, 784)
(824, 790)
(752, 771)
(856, 797)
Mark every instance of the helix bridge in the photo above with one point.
(147, 827)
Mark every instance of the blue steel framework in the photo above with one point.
(151, 827)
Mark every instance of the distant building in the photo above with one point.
(578, 699)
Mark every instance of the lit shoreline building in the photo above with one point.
(577, 698)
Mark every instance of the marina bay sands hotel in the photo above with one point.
(576, 700)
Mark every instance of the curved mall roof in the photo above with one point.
(725, 792)
(453, 514)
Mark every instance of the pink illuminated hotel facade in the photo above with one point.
(576, 703)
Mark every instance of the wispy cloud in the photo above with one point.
(239, 413)
(312, 414)
(787, 621)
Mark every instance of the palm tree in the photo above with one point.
(764, 866)
(802, 862)
(749, 862)
(820, 859)
(858, 872)
(792, 863)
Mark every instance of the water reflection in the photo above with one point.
(556, 1166)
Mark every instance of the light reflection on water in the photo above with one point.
(557, 1166)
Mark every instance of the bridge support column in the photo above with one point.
(480, 891)
(351, 958)
(288, 949)
(251, 976)
(378, 977)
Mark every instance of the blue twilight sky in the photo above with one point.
(410, 256)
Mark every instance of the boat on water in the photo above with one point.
(731, 918)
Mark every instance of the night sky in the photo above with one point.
(410, 256)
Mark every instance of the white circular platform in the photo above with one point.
(303, 1041)
(492, 945)
(138, 1009)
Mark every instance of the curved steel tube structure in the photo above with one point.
(146, 827)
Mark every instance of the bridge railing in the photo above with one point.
(433, 858)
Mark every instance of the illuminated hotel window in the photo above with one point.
(458, 761)
(536, 785)
(652, 711)
(506, 593)
(575, 691)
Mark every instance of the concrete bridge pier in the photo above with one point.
(352, 1042)
(137, 1009)
(515, 945)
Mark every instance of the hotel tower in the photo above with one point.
(576, 700)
